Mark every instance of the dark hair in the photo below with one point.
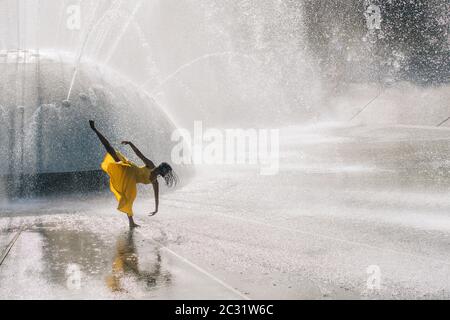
(166, 171)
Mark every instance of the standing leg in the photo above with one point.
(132, 223)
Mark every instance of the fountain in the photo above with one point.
(47, 143)
(343, 105)
(163, 64)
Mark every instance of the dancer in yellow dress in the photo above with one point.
(125, 175)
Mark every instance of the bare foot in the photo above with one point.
(133, 225)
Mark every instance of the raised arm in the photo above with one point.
(146, 161)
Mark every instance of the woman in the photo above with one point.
(125, 175)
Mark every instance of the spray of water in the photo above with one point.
(195, 61)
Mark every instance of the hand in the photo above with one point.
(92, 124)
(126, 143)
(153, 213)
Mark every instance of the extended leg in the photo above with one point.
(105, 142)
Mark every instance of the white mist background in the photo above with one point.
(227, 63)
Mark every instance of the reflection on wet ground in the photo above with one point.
(348, 201)
(57, 261)
(62, 248)
(126, 265)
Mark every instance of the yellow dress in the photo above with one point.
(124, 176)
(125, 262)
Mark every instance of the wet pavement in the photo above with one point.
(359, 213)
(51, 261)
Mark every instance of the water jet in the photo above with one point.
(49, 148)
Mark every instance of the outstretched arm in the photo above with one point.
(105, 142)
(147, 161)
(156, 190)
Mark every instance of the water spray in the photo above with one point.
(66, 103)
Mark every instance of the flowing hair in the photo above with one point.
(166, 171)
